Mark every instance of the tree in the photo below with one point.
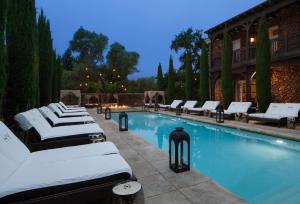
(88, 46)
(67, 60)
(188, 76)
(54, 78)
(171, 81)
(59, 76)
(226, 72)
(160, 78)
(45, 60)
(2, 53)
(121, 62)
(263, 66)
(204, 75)
(20, 51)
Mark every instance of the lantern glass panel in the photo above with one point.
(183, 154)
(172, 153)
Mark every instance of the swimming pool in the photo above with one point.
(258, 168)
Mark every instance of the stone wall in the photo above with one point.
(285, 83)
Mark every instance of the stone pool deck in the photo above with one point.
(161, 185)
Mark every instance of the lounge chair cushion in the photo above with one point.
(68, 110)
(55, 109)
(72, 107)
(31, 175)
(36, 120)
(189, 104)
(173, 105)
(208, 105)
(56, 120)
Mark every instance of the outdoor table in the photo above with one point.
(130, 192)
(291, 123)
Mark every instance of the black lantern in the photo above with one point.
(220, 114)
(123, 121)
(107, 114)
(179, 151)
(178, 110)
(156, 106)
(99, 109)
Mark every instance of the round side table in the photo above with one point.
(130, 192)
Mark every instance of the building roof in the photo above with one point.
(250, 12)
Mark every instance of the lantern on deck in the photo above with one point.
(99, 109)
(107, 113)
(220, 114)
(123, 121)
(178, 110)
(179, 151)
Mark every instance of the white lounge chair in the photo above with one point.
(189, 104)
(173, 105)
(57, 175)
(43, 136)
(61, 114)
(56, 121)
(236, 107)
(68, 110)
(72, 107)
(207, 106)
(277, 113)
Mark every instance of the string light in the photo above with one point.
(122, 85)
(86, 69)
(87, 76)
(80, 85)
(100, 74)
(114, 70)
(119, 76)
(110, 82)
(86, 84)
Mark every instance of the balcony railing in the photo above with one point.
(278, 47)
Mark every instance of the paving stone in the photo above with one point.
(209, 193)
(155, 185)
(142, 169)
(175, 197)
(184, 179)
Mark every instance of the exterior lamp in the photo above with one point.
(220, 114)
(123, 121)
(252, 40)
(179, 150)
(107, 113)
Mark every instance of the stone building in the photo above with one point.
(284, 33)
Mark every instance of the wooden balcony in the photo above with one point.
(281, 49)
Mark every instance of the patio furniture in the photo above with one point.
(235, 108)
(43, 136)
(277, 113)
(61, 114)
(72, 107)
(67, 175)
(189, 104)
(69, 110)
(207, 106)
(55, 121)
(129, 192)
(173, 105)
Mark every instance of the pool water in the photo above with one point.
(258, 168)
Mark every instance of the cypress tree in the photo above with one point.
(54, 77)
(59, 76)
(45, 60)
(226, 73)
(204, 76)
(188, 76)
(20, 57)
(263, 66)
(160, 78)
(2, 53)
(171, 81)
